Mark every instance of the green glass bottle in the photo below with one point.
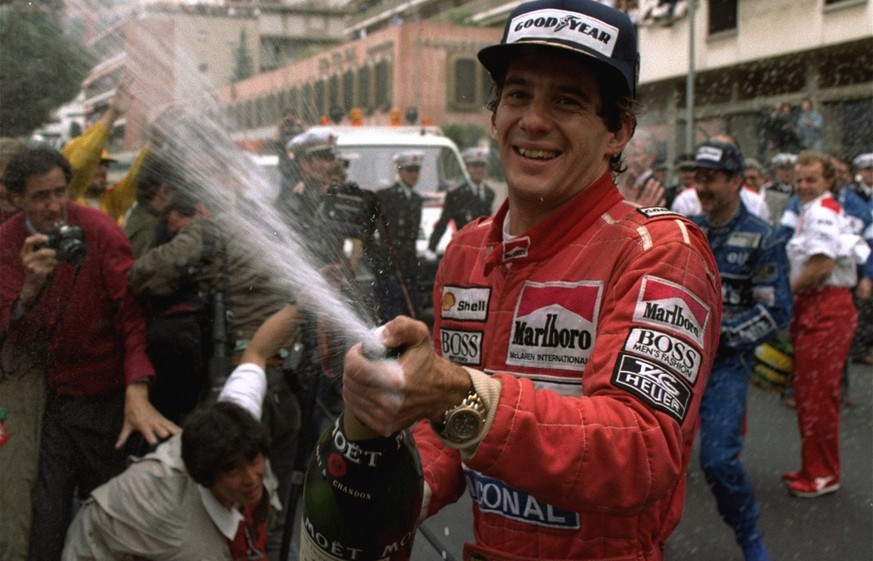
(362, 495)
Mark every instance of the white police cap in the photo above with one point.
(315, 139)
(863, 161)
(408, 158)
(783, 160)
(475, 155)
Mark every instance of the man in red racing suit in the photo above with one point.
(624, 339)
(574, 331)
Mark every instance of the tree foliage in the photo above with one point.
(41, 66)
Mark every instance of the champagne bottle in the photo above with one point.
(361, 496)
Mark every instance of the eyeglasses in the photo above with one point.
(414, 169)
(324, 155)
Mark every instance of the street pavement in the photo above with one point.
(836, 527)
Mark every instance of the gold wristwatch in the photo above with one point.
(464, 421)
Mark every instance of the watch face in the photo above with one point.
(464, 424)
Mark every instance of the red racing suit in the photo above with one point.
(602, 324)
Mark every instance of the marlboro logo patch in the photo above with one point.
(670, 306)
(554, 325)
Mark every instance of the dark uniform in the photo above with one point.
(402, 209)
(463, 204)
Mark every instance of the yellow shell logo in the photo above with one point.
(448, 301)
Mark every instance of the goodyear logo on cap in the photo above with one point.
(564, 25)
(710, 153)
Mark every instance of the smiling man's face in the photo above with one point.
(553, 143)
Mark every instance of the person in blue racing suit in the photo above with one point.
(756, 305)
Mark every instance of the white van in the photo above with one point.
(370, 150)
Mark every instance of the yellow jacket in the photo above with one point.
(84, 154)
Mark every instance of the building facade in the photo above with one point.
(412, 73)
(414, 61)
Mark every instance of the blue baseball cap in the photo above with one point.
(719, 156)
(586, 27)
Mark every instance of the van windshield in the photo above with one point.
(372, 167)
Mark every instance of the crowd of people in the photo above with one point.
(583, 330)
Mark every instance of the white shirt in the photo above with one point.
(688, 203)
(246, 386)
(822, 229)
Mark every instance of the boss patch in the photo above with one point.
(677, 354)
(463, 347)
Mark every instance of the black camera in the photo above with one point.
(69, 243)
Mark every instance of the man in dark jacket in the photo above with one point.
(402, 207)
(467, 201)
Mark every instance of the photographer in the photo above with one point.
(65, 298)
(204, 262)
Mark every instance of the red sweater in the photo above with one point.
(96, 328)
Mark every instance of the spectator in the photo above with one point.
(218, 266)
(560, 297)
(756, 305)
(860, 213)
(204, 494)
(402, 207)
(684, 167)
(863, 166)
(810, 126)
(154, 190)
(289, 126)
(754, 177)
(465, 202)
(783, 170)
(79, 315)
(22, 394)
(822, 274)
(90, 161)
(638, 183)
(781, 129)
(8, 148)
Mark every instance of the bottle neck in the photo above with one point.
(355, 429)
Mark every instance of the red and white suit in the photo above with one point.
(821, 332)
(601, 323)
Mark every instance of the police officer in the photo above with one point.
(401, 205)
(466, 201)
(756, 305)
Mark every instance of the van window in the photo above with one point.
(372, 167)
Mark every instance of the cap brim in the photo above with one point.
(496, 58)
(709, 165)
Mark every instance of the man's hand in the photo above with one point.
(391, 395)
(141, 416)
(39, 263)
(651, 194)
(644, 191)
(864, 290)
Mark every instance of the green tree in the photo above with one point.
(41, 66)
(244, 63)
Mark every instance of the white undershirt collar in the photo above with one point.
(226, 519)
